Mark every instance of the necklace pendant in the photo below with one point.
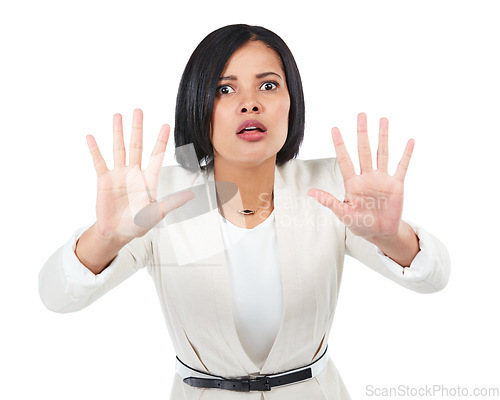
(246, 212)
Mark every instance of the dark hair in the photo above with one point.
(197, 89)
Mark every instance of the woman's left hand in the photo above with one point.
(373, 203)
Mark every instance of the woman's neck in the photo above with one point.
(255, 184)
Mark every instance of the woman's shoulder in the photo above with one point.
(297, 168)
(176, 171)
(322, 173)
(174, 178)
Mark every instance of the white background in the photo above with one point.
(430, 67)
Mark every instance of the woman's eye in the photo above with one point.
(225, 89)
(267, 86)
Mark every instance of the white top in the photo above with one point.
(254, 265)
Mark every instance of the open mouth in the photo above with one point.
(251, 129)
(251, 126)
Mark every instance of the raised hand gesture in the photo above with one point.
(125, 190)
(373, 203)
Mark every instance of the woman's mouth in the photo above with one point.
(251, 130)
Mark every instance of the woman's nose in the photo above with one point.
(250, 106)
(254, 108)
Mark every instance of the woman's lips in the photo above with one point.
(252, 136)
(251, 130)
(251, 125)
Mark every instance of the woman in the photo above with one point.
(244, 242)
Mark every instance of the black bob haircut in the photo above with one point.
(199, 82)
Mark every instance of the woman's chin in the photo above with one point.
(247, 160)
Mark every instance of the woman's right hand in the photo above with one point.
(126, 190)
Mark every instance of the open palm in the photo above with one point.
(126, 190)
(373, 203)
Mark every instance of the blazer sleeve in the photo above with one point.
(429, 271)
(66, 285)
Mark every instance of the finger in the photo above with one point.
(328, 200)
(99, 163)
(405, 161)
(343, 159)
(383, 145)
(156, 159)
(118, 144)
(135, 154)
(364, 152)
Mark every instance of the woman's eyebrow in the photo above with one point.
(258, 76)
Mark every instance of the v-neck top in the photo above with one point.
(257, 294)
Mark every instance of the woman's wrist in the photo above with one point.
(95, 251)
(402, 248)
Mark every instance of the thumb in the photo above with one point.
(153, 213)
(328, 200)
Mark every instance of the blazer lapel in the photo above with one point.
(200, 241)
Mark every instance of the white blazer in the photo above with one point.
(187, 262)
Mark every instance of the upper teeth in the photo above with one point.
(251, 128)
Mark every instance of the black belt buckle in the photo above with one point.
(261, 384)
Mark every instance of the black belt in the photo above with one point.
(262, 383)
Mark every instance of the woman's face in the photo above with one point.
(252, 94)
